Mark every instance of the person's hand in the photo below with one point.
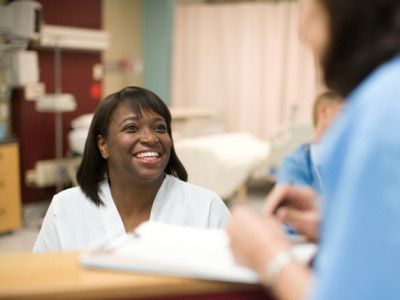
(296, 206)
(255, 239)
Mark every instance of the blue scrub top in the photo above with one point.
(298, 168)
(359, 254)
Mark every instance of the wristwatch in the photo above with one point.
(275, 266)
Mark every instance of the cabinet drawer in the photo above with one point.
(10, 211)
(10, 194)
(9, 185)
(9, 161)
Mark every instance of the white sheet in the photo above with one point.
(222, 162)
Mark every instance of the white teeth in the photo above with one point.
(147, 154)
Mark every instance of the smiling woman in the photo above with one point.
(129, 174)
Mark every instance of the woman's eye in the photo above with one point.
(161, 128)
(131, 128)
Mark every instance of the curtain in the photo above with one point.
(244, 61)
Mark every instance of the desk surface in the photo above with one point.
(58, 275)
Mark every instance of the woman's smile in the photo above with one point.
(148, 157)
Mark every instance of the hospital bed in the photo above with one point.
(223, 162)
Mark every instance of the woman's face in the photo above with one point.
(314, 27)
(136, 147)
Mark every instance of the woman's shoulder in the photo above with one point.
(74, 198)
(375, 103)
(380, 88)
(71, 197)
(69, 194)
(76, 193)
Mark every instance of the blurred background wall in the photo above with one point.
(240, 62)
(123, 60)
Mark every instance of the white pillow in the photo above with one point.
(77, 140)
(82, 121)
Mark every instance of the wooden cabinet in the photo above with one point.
(10, 191)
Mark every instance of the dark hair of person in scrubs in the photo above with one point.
(360, 40)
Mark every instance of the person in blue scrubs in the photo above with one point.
(301, 167)
(358, 45)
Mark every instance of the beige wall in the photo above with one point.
(123, 20)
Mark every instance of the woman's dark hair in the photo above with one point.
(363, 35)
(93, 167)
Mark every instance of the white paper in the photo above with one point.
(173, 250)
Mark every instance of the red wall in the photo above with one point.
(35, 130)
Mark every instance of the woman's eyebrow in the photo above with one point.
(159, 119)
(134, 118)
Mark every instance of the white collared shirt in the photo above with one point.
(74, 222)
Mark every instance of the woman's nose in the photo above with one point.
(148, 136)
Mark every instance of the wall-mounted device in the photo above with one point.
(73, 38)
(20, 20)
(20, 23)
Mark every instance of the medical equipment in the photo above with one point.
(20, 21)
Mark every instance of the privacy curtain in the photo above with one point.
(245, 61)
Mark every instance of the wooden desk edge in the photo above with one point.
(59, 275)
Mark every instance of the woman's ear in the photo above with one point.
(102, 145)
